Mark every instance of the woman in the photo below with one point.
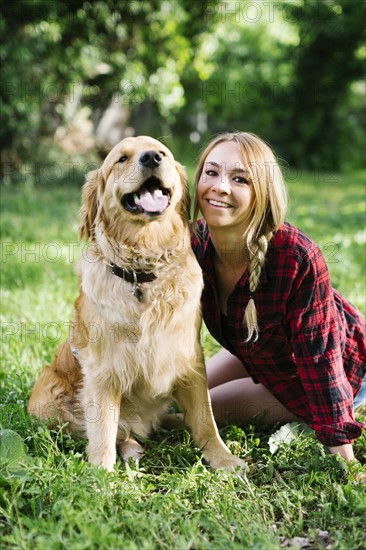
(294, 348)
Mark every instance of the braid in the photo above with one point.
(257, 259)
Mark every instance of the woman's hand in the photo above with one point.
(356, 472)
(346, 451)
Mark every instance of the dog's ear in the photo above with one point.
(185, 210)
(94, 183)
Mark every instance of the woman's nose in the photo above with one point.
(222, 185)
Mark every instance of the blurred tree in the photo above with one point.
(244, 75)
(30, 33)
(326, 61)
(288, 71)
(61, 57)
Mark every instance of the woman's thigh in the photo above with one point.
(242, 400)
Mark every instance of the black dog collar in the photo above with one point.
(136, 278)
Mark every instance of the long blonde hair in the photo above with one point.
(268, 208)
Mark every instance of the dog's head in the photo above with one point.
(139, 181)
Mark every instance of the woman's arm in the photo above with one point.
(316, 340)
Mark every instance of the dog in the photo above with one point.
(135, 339)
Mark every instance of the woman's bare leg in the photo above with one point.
(224, 367)
(236, 398)
(241, 400)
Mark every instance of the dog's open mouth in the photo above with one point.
(152, 198)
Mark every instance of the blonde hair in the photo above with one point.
(268, 208)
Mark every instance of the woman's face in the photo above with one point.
(225, 193)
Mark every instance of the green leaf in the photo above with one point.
(13, 453)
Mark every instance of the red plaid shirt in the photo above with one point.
(311, 350)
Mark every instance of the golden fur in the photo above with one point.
(130, 352)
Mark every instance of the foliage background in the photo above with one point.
(291, 71)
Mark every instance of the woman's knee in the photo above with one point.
(223, 367)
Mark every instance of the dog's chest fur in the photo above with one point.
(134, 343)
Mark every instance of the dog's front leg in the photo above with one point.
(101, 413)
(195, 403)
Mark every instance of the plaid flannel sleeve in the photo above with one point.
(317, 347)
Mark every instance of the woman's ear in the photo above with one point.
(185, 209)
(93, 185)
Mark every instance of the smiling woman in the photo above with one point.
(294, 348)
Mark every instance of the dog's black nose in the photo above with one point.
(150, 159)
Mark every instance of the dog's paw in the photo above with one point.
(230, 463)
(105, 461)
(130, 449)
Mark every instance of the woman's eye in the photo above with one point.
(211, 173)
(123, 158)
(239, 179)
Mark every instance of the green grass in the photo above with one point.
(51, 497)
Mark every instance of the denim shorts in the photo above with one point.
(360, 398)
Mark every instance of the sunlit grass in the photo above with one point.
(57, 500)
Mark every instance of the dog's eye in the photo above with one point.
(123, 158)
(162, 153)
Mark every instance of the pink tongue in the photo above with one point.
(153, 202)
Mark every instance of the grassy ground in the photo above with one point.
(52, 498)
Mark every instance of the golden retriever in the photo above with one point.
(135, 342)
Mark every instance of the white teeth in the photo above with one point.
(218, 203)
(136, 198)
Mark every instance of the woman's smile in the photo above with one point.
(218, 204)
